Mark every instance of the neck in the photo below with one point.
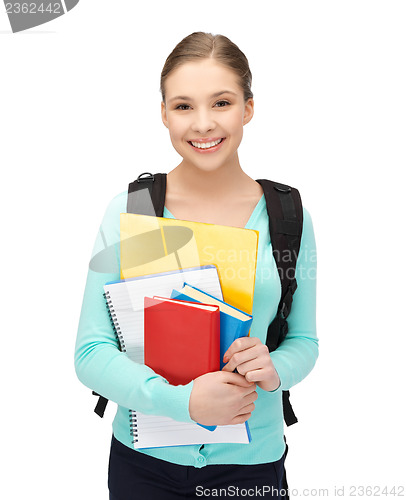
(206, 184)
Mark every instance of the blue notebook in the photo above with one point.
(234, 323)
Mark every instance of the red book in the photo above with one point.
(181, 339)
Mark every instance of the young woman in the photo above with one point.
(206, 101)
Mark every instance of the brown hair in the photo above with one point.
(200, 45)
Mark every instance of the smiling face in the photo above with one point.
(205, 113)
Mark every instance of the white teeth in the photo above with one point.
(205, 145)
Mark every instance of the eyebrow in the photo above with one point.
(216, 94)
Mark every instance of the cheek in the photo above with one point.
(234, 123)
(177, 136)
(236, 131)
(177, 129)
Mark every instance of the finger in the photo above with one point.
(240, 419)
(247, 409)
(254, 365)
(241, 357)
(240, 345)
(249, 398)
(248, 394)
(237, 379)
(228, 368)
(258, 376)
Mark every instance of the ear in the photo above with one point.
(163, 114)
(249, 111)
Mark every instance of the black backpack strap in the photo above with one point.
(285, 214)
(100, 407)
(139, 202)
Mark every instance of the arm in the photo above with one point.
(99, 363)
(293, 360)
(296, 356)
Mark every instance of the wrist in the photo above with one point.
(270, 385)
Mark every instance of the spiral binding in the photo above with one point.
(119, 335)
(133, 426)
(114, 321)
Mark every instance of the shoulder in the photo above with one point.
(115, 206)
(110, 225)
(307, 218)
(308, 242)
(307, 229)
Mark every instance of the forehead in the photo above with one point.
(201, 77)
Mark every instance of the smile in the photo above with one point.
(206, 146)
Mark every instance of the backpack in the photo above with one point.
(285, 214)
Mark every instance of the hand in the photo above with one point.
(221, 398)
(251, 358)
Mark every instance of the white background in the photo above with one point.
(80, 119)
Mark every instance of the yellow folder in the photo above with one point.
(151, 245)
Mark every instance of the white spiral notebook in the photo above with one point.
(125, 302)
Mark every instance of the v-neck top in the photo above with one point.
(103, 368)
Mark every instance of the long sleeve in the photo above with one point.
(102, 367)
(297, 354)
(99, 363)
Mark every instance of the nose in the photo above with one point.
(203, 121)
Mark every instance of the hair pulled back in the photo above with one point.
(200, 45)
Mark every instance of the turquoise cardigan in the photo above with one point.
(103, 368)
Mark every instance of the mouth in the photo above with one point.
(207, 146)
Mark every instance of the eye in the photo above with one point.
(181, 106)
(226, 103)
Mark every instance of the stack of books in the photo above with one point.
(181, 334)
(185, 295)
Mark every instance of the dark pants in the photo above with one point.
(136, 476)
